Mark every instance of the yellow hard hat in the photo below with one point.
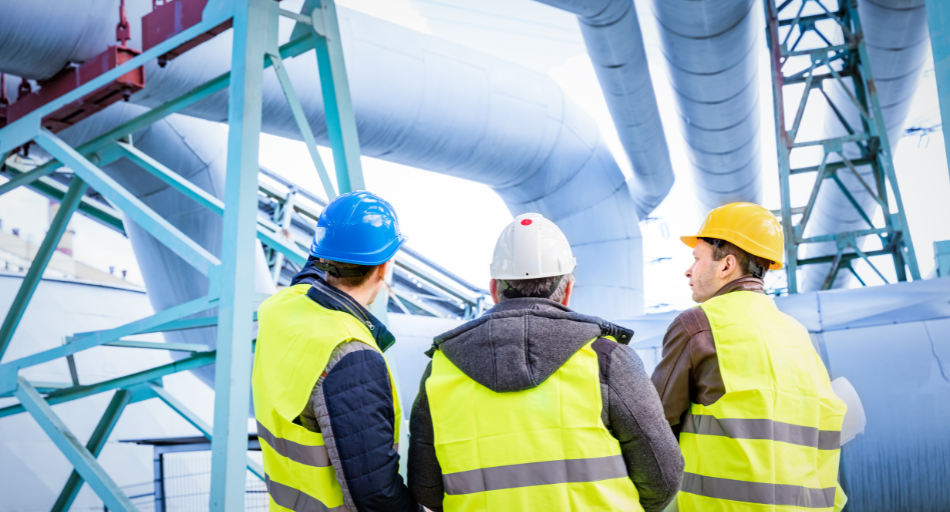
(749, 226)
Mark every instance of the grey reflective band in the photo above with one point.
(756, 492)
(762, 429)
(535, 473)
(316, 456)
(297, 500)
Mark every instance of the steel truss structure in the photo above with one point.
(800, 35)
(255, 48)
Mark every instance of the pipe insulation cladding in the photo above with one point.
(897, 40)
(419, 101)
(614, 41)
(711, 49)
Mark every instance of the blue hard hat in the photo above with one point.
(357, 227)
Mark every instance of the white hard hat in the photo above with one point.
(532, 247)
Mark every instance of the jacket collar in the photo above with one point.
(336, 300)
(743, 284)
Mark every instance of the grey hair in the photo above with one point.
(536, 287)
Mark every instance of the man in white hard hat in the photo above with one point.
(536, 407)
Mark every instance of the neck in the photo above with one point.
(361, 294)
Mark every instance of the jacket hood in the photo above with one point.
(519, 343)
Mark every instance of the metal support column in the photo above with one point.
(254, 25)
(232, 382)
(938, 18)
(800, 35)
(341, 123)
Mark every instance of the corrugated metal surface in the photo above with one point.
(711, 48)
(614, 43)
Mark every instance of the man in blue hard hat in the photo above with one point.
(327, 408)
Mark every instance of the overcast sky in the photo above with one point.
(456, 222)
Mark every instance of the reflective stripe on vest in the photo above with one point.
(544, 448)
(296, 338)
(773, 439)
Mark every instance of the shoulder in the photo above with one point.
(616, 358)
(691, 321)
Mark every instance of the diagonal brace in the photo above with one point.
(43, 256)
(77, 454)
(189, 416)
(99, 437)
(144, 216)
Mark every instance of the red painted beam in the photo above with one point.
(73, 77)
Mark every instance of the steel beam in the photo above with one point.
(253, 22)
(337, 104)
(77, 454)
(98, 439)
(870, 137)
(127, 381)
(154, 224)
(40, 261)
(938, 17)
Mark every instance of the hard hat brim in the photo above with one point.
(375, 258)
(691, 242)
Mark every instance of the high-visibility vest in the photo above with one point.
(544, 448)
(772, 442)
(295, 340)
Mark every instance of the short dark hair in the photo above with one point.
(349, 281)
(722, 248)
(539, 288)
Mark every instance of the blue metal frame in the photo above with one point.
(847, 64)
(254, 49)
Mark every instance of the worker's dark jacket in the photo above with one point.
(689, 370)
(631, 410)
(352, 406)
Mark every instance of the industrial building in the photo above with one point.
(144, 119)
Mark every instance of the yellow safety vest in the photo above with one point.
(772, 442)
(295, 339)
(544, 448)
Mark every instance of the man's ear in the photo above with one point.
(493, 289)
(729, 264)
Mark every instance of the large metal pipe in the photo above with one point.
(422, 102)
(896, 36)
(614, 43)
(711, 52)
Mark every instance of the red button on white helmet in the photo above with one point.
(542, 250)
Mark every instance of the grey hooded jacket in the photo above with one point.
(517, 345)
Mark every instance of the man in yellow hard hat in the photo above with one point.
(741, 384)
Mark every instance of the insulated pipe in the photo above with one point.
(711, 52)
(422, 102)
(614, 43)
(896, 37)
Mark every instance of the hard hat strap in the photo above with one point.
(335, 271)
(757, 270)
(512, 293)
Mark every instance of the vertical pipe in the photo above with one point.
(938, 17)
(233, 360)
(45, 253)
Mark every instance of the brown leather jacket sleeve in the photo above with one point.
(689, 370)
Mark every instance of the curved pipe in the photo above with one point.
(423, 102)
(614, 43)
(896, 37)
(711, 52)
